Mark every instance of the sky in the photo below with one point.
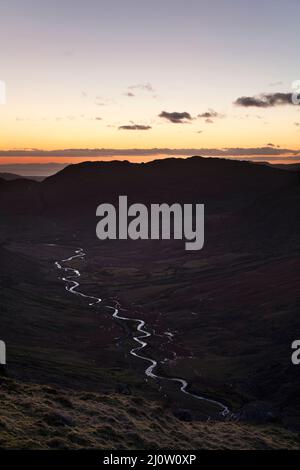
(124, 77)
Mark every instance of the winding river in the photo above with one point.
(71, 278)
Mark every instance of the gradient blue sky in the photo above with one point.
(68, 66)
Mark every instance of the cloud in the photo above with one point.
(102, 101)
(275, 83)
(98, 118)
(297, 124)
(142, 86)
(264, 100)
(270, 145)
(135, 127)
(248, 116)
(207, 115)
(176, 117)
(210, 115)
(130, 94)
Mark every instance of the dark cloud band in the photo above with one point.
(104, 152)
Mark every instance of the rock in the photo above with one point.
(258, 412)
(58, 419)
(65, 402)
(3, 370)
(183, 415)
(124, 389)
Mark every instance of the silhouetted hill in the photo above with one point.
(287, 166)
(9, 176)
(20, 196)
(276, 215)
(13, 176)
(222, 184)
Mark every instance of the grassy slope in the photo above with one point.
(43, 417)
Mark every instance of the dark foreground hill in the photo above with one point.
(43, 417)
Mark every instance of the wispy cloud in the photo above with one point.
(276, 83)
(210, 115)
(102, 101)
(142, 86)
(135, 127)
